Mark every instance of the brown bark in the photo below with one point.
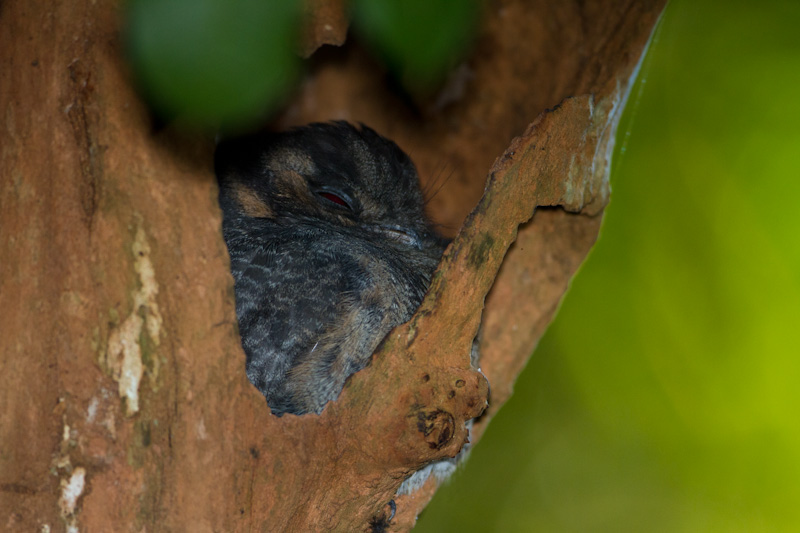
(124, 401)
(325, 22)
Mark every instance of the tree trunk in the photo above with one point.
(131, 411)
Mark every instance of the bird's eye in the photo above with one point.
(335, 198)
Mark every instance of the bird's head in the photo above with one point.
(345, 175)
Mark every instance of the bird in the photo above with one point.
(330, 248)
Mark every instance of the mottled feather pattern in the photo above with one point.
(330, 249)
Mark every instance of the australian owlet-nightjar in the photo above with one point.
(330, 249)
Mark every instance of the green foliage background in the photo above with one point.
(666, 395)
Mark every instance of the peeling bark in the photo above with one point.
(125, 404)
(325, 23)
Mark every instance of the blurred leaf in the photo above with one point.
(213, 62)
(417, 39)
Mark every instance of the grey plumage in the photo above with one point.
(330, 249)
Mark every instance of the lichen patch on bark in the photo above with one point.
(124, 360)
(124, 354)
(71, 490)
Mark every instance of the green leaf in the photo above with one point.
(214, 63)
(417, 39)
